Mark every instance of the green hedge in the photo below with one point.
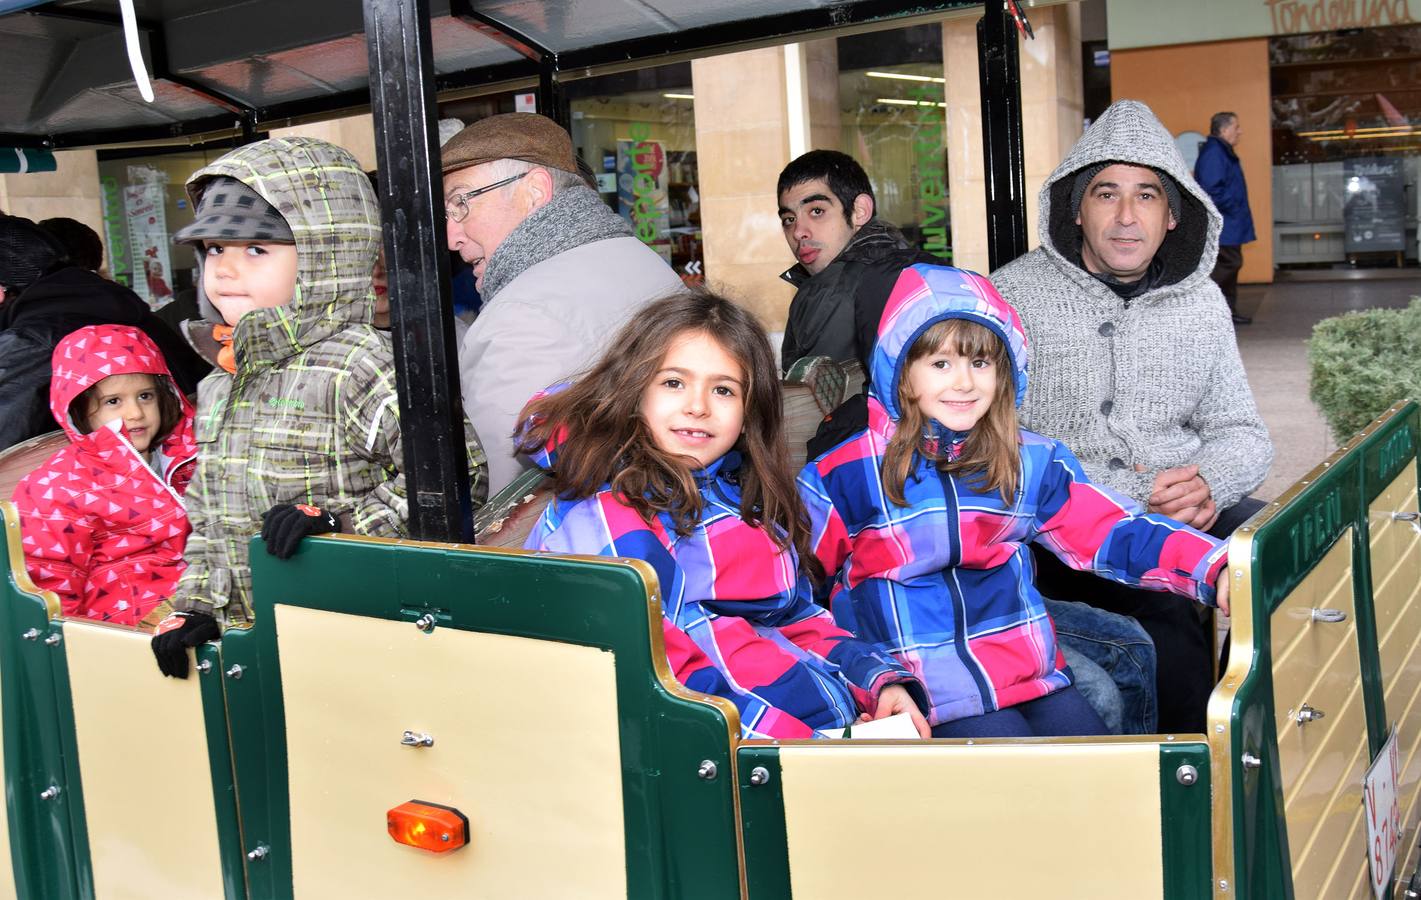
(1363, 362)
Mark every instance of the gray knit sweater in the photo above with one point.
(1155, 381)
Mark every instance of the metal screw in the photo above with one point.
(51, 792)
(236, 672)
(31, 635)
(414, 739)
(259, 854)
(1308, 714)
(706, 770)
(444, 838)
(1223, 885)
(759, 775)
(425, 623)
(1186, 775)
(53, 640)
(1251, 762)
(204, 666)
(1219, 729)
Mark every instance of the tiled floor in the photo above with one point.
(1274, 353)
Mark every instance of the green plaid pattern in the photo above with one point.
(311, 415)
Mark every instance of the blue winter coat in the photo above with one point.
(1220, 174)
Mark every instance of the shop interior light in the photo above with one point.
(895, 102)
(903, 76)
(428, 826)
(679, 96)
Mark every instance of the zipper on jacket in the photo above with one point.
(959, 604)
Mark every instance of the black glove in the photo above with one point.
(284, 525)
(178, 632)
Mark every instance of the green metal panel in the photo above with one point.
(1185, 817)
(219, 757)
(681, 830)
(46, 858)
(1287, 545)
(762, 817)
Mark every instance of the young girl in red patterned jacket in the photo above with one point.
(102, 522)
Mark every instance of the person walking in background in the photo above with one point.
(1220, 174)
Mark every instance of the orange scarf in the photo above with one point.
(226, 357)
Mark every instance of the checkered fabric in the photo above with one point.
(230, 211)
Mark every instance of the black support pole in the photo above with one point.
(1002, 154)
(411, 207)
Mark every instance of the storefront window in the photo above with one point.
(1345, 152)
(636, 131)
(144, 202)
(893, 119)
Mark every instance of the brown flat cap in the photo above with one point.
(526, 136)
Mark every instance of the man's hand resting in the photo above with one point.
(1184, 496)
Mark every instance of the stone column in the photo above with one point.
(1052, 100)
(744, 137)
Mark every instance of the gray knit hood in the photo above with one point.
(1128, 132)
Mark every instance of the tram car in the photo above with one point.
(434, 717)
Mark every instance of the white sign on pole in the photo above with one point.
(1383, 815)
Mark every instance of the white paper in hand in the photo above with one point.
(895, 728)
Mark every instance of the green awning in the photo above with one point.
(15, 159)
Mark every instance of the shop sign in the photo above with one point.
(1158, 23)
(115, 230)
(143, 204)
(642, 188)
(932, 170)
(1383, 815)
(1374, 213)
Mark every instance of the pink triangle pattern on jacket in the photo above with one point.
(99, 527)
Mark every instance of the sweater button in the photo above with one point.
(1106, 407)
(1117, 463)
(1106, 329)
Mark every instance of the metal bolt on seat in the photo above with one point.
(31, 634)
(53, 640)
(1250, 761)
(1308, 714)
(1323, 614)
(759, 775)
(51, 792)
(235, 672)
(204, 666)
(706, 770)
(417, 739)
(259, 853)
(1186, 775)
(425, 623)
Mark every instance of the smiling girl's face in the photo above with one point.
(695, 403)
(132, 399)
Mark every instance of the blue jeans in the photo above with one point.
(1112, 662)
(1064, 712)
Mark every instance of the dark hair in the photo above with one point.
(82, 243)
(992, 446)
(1219, 121)
(170, 407)
(27, 253)
(845, 177)
(604, 438)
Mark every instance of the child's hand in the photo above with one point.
(1221, 591)
(895, 699)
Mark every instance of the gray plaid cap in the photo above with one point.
(231, 211)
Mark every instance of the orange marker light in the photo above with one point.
(428, 826)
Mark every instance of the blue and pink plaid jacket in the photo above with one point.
(738, 617)
(946, 583)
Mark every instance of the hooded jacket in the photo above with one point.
(821, 315)
(1154, 381)
(1220, 174)
(945, 583)
(311, 414)
(99, 525)
(32, 324)
(739, 618)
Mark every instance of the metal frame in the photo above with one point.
(402, 100)
(1002, 154)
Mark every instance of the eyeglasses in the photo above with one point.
(457, 209)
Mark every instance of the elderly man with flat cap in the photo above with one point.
(558, 271)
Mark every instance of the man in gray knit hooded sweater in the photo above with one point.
(1135, 367)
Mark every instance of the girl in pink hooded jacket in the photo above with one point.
(102, 522)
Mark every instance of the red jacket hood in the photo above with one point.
(91, 354)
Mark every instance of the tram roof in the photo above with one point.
(65, 79)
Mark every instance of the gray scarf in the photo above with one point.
(575, 216)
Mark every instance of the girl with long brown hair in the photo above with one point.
(671, 449)
(924, 518)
